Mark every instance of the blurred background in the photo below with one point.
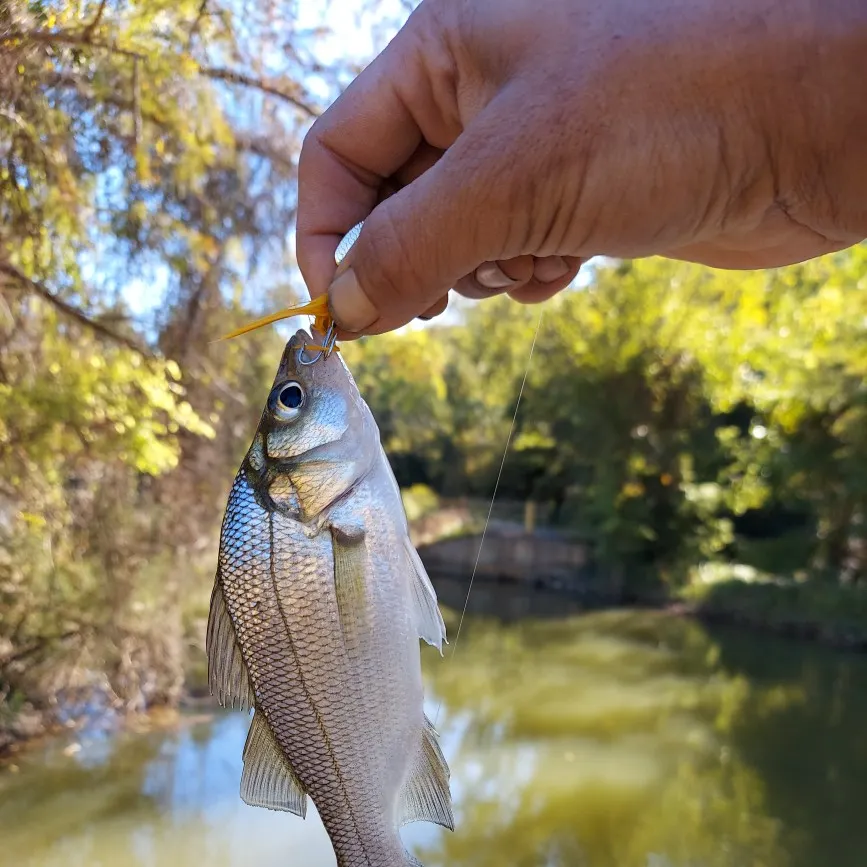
(661, 663)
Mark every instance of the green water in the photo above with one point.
(614, 739)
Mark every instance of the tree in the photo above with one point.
(145, 148)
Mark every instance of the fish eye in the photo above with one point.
(292, 395)
(287, 400)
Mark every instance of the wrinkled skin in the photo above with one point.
(522, 140)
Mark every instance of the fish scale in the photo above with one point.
(288, 698)
(317, 611)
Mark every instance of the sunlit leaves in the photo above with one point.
(130, 167)
(403, 378)
(85, 397)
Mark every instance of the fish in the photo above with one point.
(319, 603)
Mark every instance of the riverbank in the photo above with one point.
(30, 729)
(826, 612)
(819, 609)
(546, 563)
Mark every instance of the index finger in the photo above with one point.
(365, 137)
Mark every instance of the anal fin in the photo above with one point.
(227, 675)
(429, 620)
(425, 796)
(268, 779)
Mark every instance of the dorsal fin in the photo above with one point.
(425, 796)
(268, 779)
(227, 674)
(428, 618)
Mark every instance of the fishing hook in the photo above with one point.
(327, 347)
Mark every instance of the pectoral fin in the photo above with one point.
(429, 620)
(268, 779)
(227, 675)
(350, 564)
(425, 796)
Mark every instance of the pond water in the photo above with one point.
(607, 739)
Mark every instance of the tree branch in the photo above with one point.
(37, 646)
(83, 38)
(69, 310)
(68, 37)
(247, 143)
(201, 14)
(263, 84)
(88, 31)
(265, 149)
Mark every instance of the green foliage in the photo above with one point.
(418, 501)
(145, 150)
(628, 422)
(671, 413)
(79, 395)
(403, 379)
(808, 609)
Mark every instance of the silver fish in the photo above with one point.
(319, 602)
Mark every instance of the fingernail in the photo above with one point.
(550, 269)
(491, 276)
(350, 307)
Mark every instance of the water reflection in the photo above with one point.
(608, 739)
(161, 798)
(604, 740)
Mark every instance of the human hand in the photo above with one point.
(496, 144)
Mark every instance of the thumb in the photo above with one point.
(416, 245)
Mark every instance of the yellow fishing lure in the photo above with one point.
(317, 307)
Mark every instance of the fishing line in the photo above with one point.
(493, 497)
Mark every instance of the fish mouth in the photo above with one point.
(289, 363)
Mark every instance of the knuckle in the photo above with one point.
(310, 153)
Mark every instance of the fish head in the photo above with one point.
(310, 405)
